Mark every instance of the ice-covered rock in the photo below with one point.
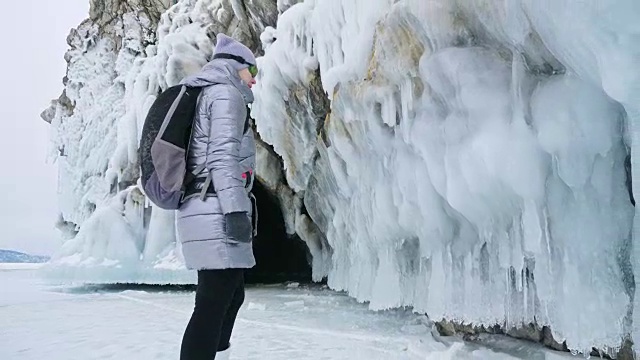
(119, 60)
(105, 13)
(472, 164)
(466, 158)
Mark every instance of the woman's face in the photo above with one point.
(245, 75)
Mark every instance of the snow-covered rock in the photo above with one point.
(466, 158)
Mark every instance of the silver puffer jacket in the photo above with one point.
(227, 153)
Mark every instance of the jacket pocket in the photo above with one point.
(200, 227)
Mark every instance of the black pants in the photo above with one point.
(219, 295)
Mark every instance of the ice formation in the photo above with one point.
(466, 158)
(109, 87)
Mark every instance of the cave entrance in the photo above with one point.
(279, 257)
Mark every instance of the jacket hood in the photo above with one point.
(219, 71)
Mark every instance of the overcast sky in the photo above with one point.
(33, 38)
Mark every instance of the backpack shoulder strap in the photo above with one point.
(192, 174)
(205, 187)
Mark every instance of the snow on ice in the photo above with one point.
(48, 322)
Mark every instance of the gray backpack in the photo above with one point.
(164, 146)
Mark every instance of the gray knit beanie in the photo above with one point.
(228, 45)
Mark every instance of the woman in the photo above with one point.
(215, 219)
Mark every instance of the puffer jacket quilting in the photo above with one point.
(219, 142)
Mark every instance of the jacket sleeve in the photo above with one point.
(227, 115)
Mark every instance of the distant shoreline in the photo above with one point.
(20, 266)
(16, 257)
